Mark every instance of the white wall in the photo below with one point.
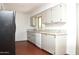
(77, 7)
(71, 27)
(22, 24)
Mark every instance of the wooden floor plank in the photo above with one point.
(27, 48)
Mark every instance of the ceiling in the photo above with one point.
(23, 7)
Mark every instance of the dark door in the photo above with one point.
(7, 33)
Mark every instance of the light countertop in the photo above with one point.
(50, 32)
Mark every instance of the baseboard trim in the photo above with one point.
(31, 42)
(47, 52)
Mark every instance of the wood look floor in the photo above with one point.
(27, 48)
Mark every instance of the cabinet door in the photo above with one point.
(44, 42)
(33, 21)
(50, 44)
(60, 45)
(40, 22)
(38, 39)
(46, 16)
(59, 13)
(29, 36)
(33, 37)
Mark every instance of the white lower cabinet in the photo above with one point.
(44, 42)
(34, 37)
(48, 43)
(38, 39)
(31, 36)
(60, 47)
(54, 44)
(51, 44)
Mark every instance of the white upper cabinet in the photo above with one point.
(47, 16)
(39, 21)
(55, 14)
(52, 16)
(59, 13)
(33, 21)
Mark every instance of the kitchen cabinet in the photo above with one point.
(36, 27)
(34, 37)
(59, 13)
(47, 16)
(28, 36)
(48, 43)
(40, 22)
(55, 14)
(31, 36)
(38, 39)
(51, 44)
(33, 21)
(54, 44)
(36, 21)
(44, 42)
(60, 48)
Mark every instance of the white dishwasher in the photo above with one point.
(38, 39)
